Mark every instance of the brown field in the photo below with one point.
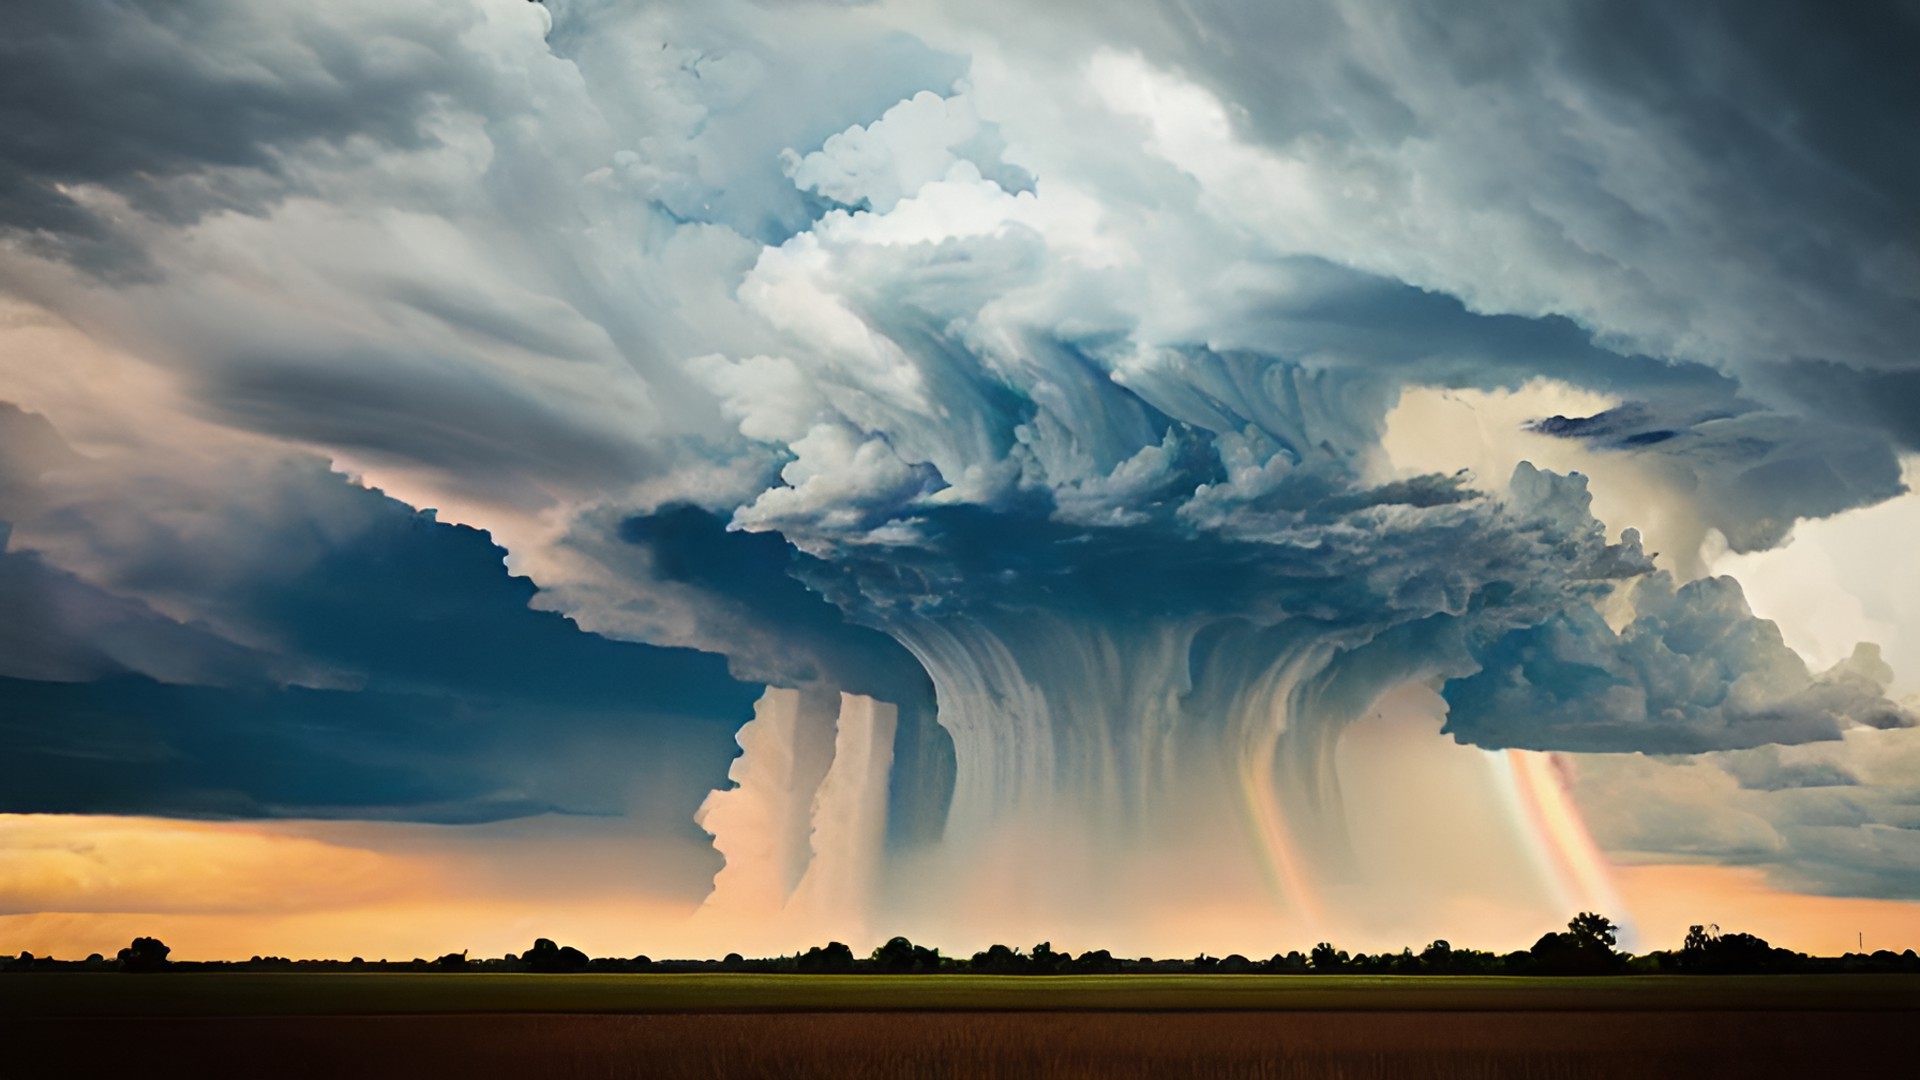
(682, 1027)
(857, 1046)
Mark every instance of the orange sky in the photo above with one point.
(216, 890)
(72, 885)
(1665, 900)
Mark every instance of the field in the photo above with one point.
(710, 1026)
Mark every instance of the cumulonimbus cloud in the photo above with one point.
(1079, 342)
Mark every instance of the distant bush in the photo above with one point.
(144, 955)
(834, 958)
(548, 958)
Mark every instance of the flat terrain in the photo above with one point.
(708, 1027)
(383, 994)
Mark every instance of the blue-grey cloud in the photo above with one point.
(788, 634)
(61, 628)
(879, 348)
(1767, 768)
(1643, 143)
(1749, 472)
(187, 109)
(29, 446)
(1836, 818)
(433, 691)
(1693, 671)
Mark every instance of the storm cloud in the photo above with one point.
(342, 655)
(873, 348)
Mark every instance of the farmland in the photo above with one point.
(262, 994)
(699, 1026)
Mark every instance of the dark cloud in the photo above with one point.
(1748, 471)
(185, 108)
(1777, 134)
(131, 745)
(442, 694)
(1798, 96)
(418, 606)
(755, 572)
(1749, 468)
(788, 634)
(1087, 442)
(1694, 671)
(61, 628)
(1884, 400)
(420, 409)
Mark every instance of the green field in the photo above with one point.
(389, 994)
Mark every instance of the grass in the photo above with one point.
(79, 994)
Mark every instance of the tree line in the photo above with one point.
(1588, 946)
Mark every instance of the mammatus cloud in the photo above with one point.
(1043, 380)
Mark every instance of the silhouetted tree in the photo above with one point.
(453, 961)
(145, 954)
(549, 958)
(1585, 948)
(895, 957)
(1325, 958)
(1593, 931)
(1698, 940)
(832, 959)
(999, 960)
(1708, 950)
(1292, 962)
(902, 957)
(1044, 961)
(1556, 953)
(1744, 952)
(1097, 962)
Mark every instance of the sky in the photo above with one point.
(1189, 475)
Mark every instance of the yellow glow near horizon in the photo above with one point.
(73, 885)
(1666, 899)
(229, 890)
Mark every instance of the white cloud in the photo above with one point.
(1843, 580)
(909, 147)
